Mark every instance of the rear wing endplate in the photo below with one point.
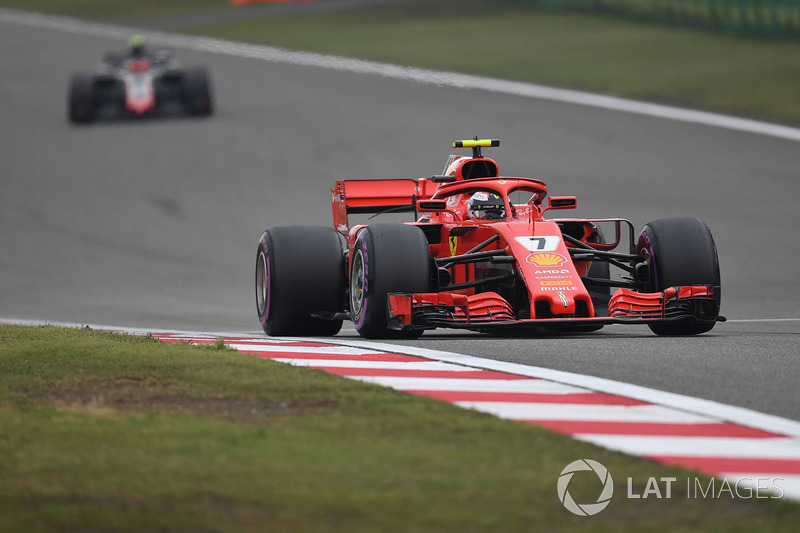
(372, 196)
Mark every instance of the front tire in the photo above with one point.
(386, 258)
(82, 99)
(682, 252)
(197, 92)
(299, 271)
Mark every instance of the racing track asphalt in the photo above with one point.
(155, 223)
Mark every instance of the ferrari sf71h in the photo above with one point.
(481, 255)
(140, 85)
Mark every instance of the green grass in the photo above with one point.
(106, 432)
(115, 9)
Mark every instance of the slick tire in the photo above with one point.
(386, 258)
(682, 252)
(197, 92)
(81, 99)
(300, 270)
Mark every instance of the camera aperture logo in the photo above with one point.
(585, 509)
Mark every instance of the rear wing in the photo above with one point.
(375, 196)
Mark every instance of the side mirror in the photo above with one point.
(561, 202)
(436, 206)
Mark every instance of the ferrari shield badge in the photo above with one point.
(453, 244)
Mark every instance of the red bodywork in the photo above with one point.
(526, 245)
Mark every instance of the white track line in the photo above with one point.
(774, 448)
(534, 386)
(419, 75)
(386, 365)
(595, 413)
(765, 320)
(340, 350)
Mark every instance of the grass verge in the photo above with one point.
(116, 10)
(107, 432)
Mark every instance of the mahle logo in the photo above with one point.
(585, 509)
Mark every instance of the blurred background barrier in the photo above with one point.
(243, 2)
(774, 18)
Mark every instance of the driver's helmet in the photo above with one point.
(137, 45)
(486, 205)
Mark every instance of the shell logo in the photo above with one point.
(546, 259)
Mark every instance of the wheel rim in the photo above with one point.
(357, 285)
(262, 285)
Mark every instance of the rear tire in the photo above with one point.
(386, 258)
(299, 271)
(82, 99)
(682, 252)
(197, 92)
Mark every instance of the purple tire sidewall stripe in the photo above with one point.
(364, 289)
(264, 319)
(644, 242)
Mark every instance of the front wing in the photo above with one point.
(489, 310)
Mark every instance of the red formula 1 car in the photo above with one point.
(481, 255)
(139, 85)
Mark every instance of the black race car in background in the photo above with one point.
(139, 84)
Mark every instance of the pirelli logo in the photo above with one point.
(560, 283)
